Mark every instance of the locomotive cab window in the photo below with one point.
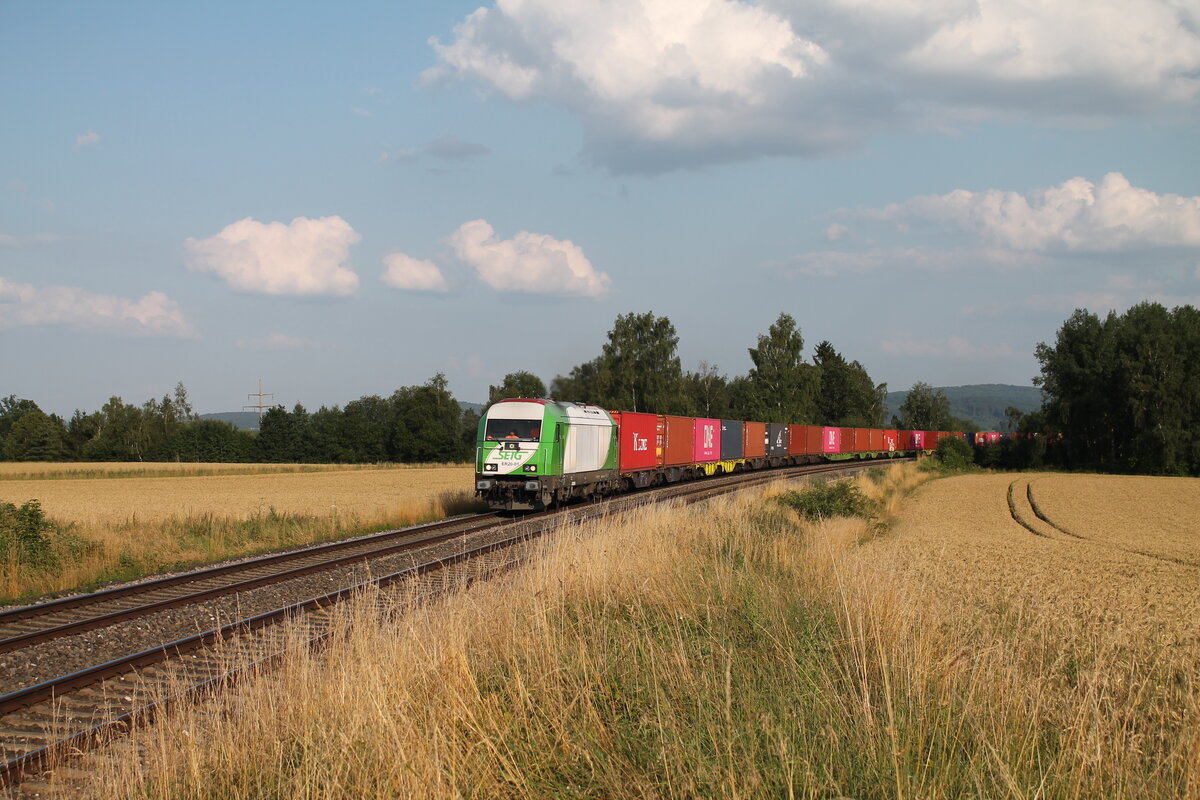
(524, 430)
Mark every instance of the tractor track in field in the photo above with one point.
(1026, 512)
(82, 669)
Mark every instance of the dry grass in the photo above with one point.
(729, 650)
(123, 527)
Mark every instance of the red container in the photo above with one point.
(796, 440)
(812, 438)
(641, 441)
(862, 440)
(831, 440)
(679, 442)
(707, 440)
(875, 437)
(891, 441)
(905, 440)
(755, 443)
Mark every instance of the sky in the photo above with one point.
(343, 199)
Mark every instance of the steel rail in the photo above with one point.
(362, 547)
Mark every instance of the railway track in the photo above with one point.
(73, 712)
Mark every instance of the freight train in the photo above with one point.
(533, 454)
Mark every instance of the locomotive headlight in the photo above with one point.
(531, 467)
(490, 467)
(483, 486)
(532, 486)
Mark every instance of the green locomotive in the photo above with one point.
(532, 454)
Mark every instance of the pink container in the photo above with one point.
(918, 440)
(708, 440)
(831, 440)
(993, 437)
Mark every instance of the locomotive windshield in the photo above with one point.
(526, 430)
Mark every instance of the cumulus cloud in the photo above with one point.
(951, 347)
(303, 257)
(1076, 215)
(411, 274)
(532, 263)
(154, 314)
(661, 84)
(84, 139)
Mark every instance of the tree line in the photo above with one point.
(416, 424)
(638, 369)
(1122, 393)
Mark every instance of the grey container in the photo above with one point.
(777, 439)
(731, 439)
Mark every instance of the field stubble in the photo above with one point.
(733, 650)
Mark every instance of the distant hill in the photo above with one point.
(982, 403)
(245, 420)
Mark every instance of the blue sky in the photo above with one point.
(345, 200)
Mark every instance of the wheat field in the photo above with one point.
(92, 502)
(125, 525)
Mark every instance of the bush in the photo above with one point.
(953, 452)
(25, 536)
(834, 499)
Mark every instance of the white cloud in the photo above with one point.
(951, 347)
(304, 257)
(412, 274)
(661, 84)
(277, 341)
(835, 232)
(154, 314)
(84, 139)
(1076, 215)
(532, 263)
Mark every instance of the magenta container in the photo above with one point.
(831, 440)
(708, 440)
(918, 440)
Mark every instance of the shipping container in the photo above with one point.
(875, 437)
(777, 440)
(679, 443)
(904, 441)
(796, 440)
(993, 437)
(641, 441)
(731, 440)
(813, 434)
(862, 440)
(831, 440)
(707, 435)
(891, 441)
(918, 440)
(754, 443)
